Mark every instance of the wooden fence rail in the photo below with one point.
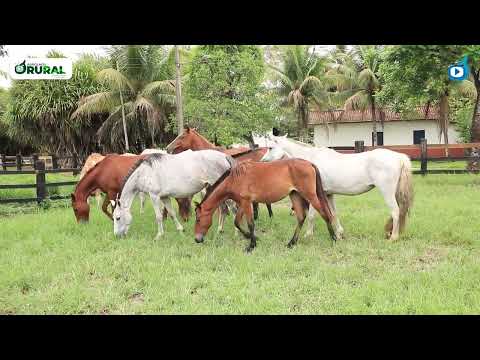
(424, 158)
(40, 185)
(20, 161)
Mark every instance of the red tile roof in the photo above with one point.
(355, 116)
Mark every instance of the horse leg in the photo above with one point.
(255, 211)
(269, 208)
(168, 204)
(392, 226)
(300, 206)
(222, 213)
(106, 202)
(338, 226)
(158, 207)
(315, 202)
(238, 221)
(141, 195)
(248, 210)
(310, 222)
(98, 197)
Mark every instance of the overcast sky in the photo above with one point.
(71, 51)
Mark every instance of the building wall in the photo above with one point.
(394, 133)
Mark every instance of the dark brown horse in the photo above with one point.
(253, 181)
(108, 175)
(191, 139)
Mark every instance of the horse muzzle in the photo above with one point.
(199, 238)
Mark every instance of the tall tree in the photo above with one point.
(140, 78)
(224, 94)
(417, 74)
(356, 77)
(301, 84)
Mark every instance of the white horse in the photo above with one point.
(352, 174)
(141, 195)
(163, 176)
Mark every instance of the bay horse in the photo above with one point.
(163, 176)
(352, 174)
(107, 176)
(253, 181)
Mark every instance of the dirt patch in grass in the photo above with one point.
(137, 298)
(430, 258)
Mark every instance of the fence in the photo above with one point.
(40, 185)
(430, 153)
(21, 162)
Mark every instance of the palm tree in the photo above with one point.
(356, 79)
(140, 84)
(300, 82)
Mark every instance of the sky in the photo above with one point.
(71, 51)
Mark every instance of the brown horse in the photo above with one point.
(108, 175)
(191, 139)
(254, 155)
(253, 181)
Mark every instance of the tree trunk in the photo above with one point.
(475, 127)
(178, 92)
(123, 120)
(374, 121)
(444, 122)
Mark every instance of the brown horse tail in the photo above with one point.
(404, 193)
(322, 197)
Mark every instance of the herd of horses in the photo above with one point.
(237, 180)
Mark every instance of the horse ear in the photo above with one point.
(187, 129)
(275, 132)
(113, 203)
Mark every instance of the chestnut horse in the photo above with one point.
(108, 175)
(254, 155)
(191, 139)
(253, 181)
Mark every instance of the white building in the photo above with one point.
(345, 127)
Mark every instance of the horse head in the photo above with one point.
(81, 209)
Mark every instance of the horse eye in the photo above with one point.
(118, 218)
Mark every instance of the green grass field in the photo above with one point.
(50, 264)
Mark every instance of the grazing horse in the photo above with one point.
(91, 161)
(164, 176)
(190, 139)
(254, 155)
(107, 175)
(253, 181)
(353, 174)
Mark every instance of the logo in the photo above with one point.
(459, 71)
(41, 69)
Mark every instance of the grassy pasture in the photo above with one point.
(50, 264)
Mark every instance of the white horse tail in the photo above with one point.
(404, 194)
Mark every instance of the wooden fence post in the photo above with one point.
(54, 161)
(19, 162)
(423, 156)
(4, 160)
(359, 146)
(75, 161)
(40, 175)
(34, 161)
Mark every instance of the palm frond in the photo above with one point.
(115, 79)
(102, 102)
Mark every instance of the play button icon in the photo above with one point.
(458, 71)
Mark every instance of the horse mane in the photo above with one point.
(241, 169)
(247, 152)
(214, 186)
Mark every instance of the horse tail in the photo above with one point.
(404, 193)
(322, 197)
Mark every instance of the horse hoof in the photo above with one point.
(248, 249)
